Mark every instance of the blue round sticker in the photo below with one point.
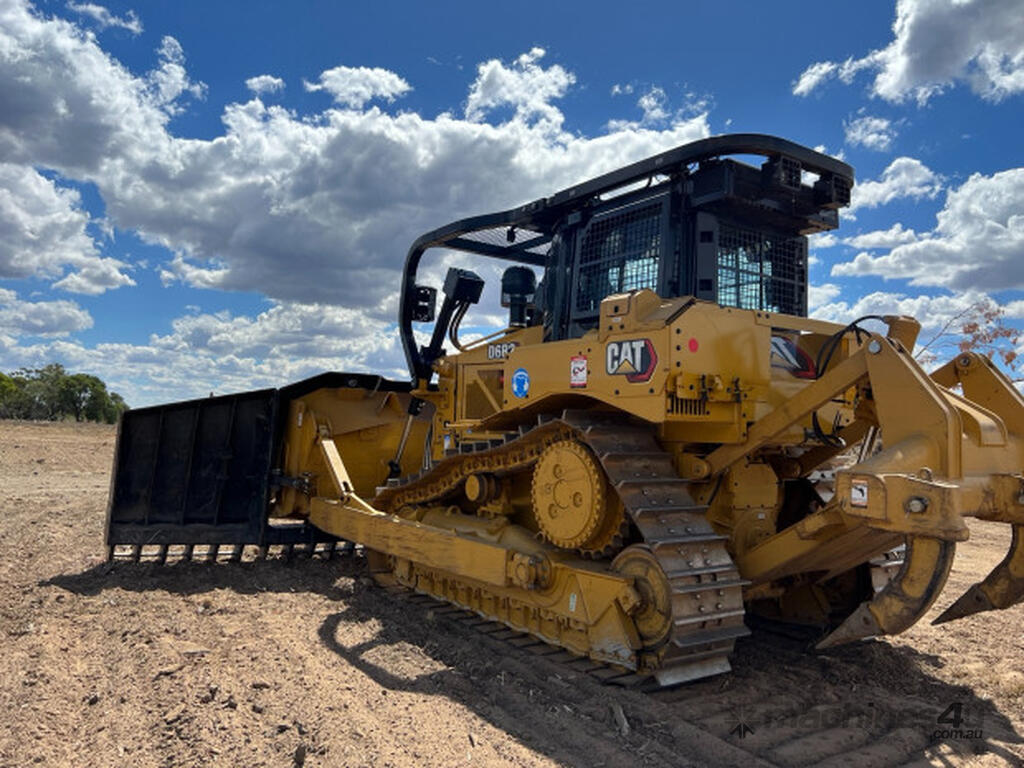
(521, 382)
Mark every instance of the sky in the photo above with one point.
(208, 197)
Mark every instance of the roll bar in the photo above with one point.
(541, 216)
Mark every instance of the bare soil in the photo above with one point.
(308, 663)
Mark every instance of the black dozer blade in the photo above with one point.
(198, 472)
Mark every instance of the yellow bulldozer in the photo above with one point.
(659, 447)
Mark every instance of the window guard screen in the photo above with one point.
(759, 271)
(620, 252)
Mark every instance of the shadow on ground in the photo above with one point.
(850, 699)
(856, 696)
(301, 574)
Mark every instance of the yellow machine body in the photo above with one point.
(629, 471)
(693, 374)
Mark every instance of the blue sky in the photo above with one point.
(202, 197)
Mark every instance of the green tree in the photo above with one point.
(75, 393)
(41, 388)
(117, 407)
(10, 397)
(50, 393)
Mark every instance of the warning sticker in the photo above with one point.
(578, 371)
(521, 382)
(858, 493)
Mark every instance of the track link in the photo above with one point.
(703, 583)
(706, 589)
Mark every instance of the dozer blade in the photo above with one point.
(1002, 588)
(199, 475)
(905, 599)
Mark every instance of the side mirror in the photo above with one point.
(424, 303)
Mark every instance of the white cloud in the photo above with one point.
(297, 207)
(904, 177)
(169, 81)
(39, 318)
(814, 76)
(933, 312)
(619, 89)
(655, 112)
(43, 233)
(42, 226)
(264, 84)
(315, 211)
(104, 18)
(653, 105)
(95, 276)
(937, 43)
(821, 295)
(882, 238)
(822, 240)
(871, 132)
(977, 243)
(355, 86)
(525, 86)
(223, 353)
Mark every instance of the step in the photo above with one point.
(712, 636)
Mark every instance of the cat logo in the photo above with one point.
(633, 358)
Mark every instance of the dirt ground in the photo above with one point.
(308, 663)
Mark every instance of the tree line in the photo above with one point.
(52, 394)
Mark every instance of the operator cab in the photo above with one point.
(688, 222)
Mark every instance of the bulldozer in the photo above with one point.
(658, 448)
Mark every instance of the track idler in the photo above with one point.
(905, 599)
(1002, 588)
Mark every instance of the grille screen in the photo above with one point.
(620, 252)
(758, 271)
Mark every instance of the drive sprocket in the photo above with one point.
(573, 506)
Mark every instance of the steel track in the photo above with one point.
(703, 582)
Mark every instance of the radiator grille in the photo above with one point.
(687, 406)
(758, 271)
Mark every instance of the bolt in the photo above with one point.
(916, 505)
(874, 347)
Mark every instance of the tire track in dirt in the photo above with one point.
(272, 660)
(800, 709)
